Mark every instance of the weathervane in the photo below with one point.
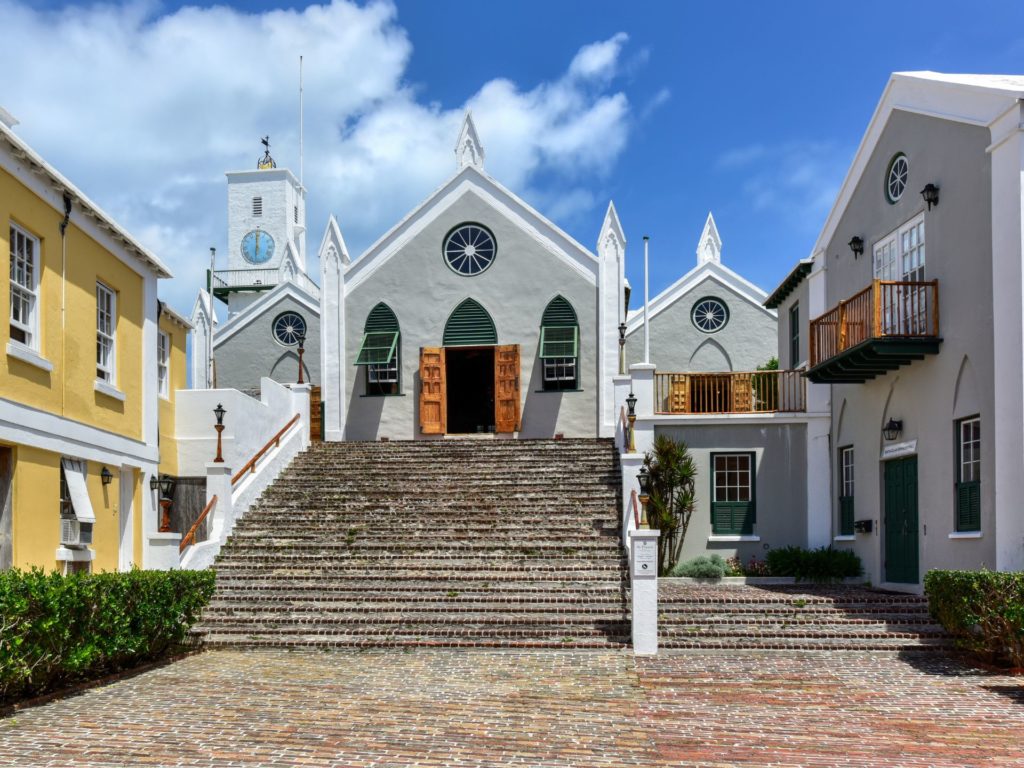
(266, 162)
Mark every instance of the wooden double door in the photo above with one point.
(453, 383)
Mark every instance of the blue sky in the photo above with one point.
(750, 110)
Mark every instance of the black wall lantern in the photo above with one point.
(930, 193)
(856, 245)
(631, 405)
(106, 476)
(892, 429)
(644, 479)
(164, 484)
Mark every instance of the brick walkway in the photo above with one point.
(535, 709)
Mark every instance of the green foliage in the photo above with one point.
(702, 567)
(753, 567)
(56, 630)
(983, 610)
(822, 564)
(673, 477)
(771, 365)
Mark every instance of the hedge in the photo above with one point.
(822, 564)
(58, 630)
(982, 610)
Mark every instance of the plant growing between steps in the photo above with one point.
(673, 477)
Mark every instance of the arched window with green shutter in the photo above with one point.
(380, 352)
(560, 345)
(469, 325)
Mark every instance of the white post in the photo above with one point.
(644, 571)
(300, 395)
(647, 329)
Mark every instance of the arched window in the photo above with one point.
(560, 345)
(469, 325)
(380, 352)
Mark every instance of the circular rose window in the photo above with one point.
(469, 249)
(896, 178)
(288, 327)
(710, 314)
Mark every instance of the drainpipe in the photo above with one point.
(63, 226)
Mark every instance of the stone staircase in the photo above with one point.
(796, 617)
(460, 543)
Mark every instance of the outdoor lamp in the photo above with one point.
(219, 412)
(644, 479)
(631, 405)
(302, 348)
(622, 333)
(856, 245)
(154, 483)
(892, 429)
(167, 484)
(631, 417)
(930, 193)
(106, 476)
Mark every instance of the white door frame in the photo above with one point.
(126, 523)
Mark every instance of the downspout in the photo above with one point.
(63, 300)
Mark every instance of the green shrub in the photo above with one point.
(822, 564)
(983, 610)
(56, 630)
(702, 567)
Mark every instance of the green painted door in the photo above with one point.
(901, 521)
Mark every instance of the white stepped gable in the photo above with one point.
(468, 149)
(709, 247)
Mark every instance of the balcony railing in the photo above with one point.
(886, 309)
(227, 280)
(719, 393)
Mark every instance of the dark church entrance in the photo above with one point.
(469, 372)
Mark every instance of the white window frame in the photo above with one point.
(559, 369)
(106, 334)
(846, 464)
(969, 465)
(383, 373)
(27, 293)
(163, 364)
(892, 254)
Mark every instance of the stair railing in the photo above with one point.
(250, 465)
(635, 504)
(625, 429)
(190, 537)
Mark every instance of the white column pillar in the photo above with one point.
(300, 398)
(647, 287)
(644, 571)
(218, 483)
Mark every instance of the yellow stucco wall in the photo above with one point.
(36, 511)
(178, 380)
(68, 390)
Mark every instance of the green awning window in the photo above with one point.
(559, 341)
(378, 348)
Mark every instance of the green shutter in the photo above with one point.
(469, 326)
(377, 348)
(968, 506)
(559, 341)
(559, 312)
(734, 518)
(380, 320)
(846, 515)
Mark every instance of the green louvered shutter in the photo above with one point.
(469, 326)
(380, 337)
(846, 515)
(968, 506)
(559, 312)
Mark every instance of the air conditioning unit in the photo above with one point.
(74, 533)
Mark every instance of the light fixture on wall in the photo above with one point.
(302, 349)
(219, 412)
(622, 348)
(631, 418)
(644, 479)
(892, 429)
(856, 245)
(930, 193)
(106, 476)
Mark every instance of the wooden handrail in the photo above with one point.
(190, 537)
(250, 465)
(636, 509)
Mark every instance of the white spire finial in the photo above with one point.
(709, 247)
(468, 149)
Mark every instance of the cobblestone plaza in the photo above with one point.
(532, 708)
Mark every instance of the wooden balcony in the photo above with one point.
(887, 325)
(721, 393)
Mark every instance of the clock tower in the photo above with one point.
(266, 232)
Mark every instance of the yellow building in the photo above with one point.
(79, 377)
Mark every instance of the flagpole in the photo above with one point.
(647, 329)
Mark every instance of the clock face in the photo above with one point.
(257, 247)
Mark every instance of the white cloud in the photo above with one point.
(146, 111)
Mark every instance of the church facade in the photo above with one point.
(473, 315)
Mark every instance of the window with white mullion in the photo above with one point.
(163, 362)
(970, 450)
(24, 286)
(383, 373)
(560, 369)
(106, 328)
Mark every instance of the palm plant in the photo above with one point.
(673, 475)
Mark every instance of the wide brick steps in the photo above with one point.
(796, 617)
(456, 543)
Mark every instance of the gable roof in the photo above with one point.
(708, 271)
(972, 99)
(473, 180)
(256, 310)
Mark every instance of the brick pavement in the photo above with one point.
(539, 709)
